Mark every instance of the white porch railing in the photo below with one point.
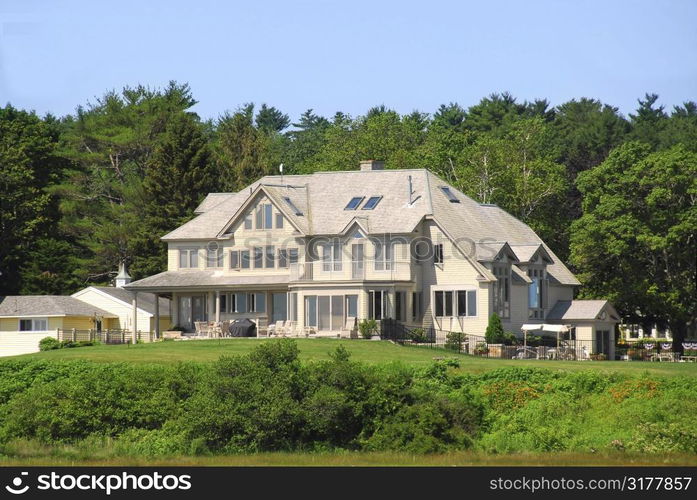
(352, 271)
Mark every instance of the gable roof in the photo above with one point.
(322, 198)
(146, 301)
(212, 200)
(48, 305)
(581, 310)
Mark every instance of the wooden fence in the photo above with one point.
(104, 336)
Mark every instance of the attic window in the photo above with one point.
(355, 201)
(292, 206)
(372, 202)
(446, 190)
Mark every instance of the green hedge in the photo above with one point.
(268, 400)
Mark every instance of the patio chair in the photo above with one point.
(350, 328)
(277, 329)
(201, 328)
(289, 328)
(263, 329)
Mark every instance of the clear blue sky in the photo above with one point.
(348, 55)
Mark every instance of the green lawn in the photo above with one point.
(361, 350)
(372, 459)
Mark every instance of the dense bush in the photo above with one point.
(49, 344)
(269, 400)
(454, 341)
(52, 343)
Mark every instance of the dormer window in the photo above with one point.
(372, 202)
(355, 201)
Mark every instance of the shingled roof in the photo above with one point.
(322, 197)
(581, 309)
(48, 305)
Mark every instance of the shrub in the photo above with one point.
(49, 344)
(418, 336)
(494, 331)
(368, 328)
(454, 341)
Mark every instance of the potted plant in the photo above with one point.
(481, 349)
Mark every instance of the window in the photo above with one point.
(234, 259)
(258, 257)
(311, 310)
(416, 305)
(384, 256)
(256, 302)
(438, 253)
(245, 259)
(372, 202)
(282, 258)
(352, 306)
(188, 258)
(33, 325)
(270, 257)
(238, 302)
(248, 221)
(447, 192)
(400, 305)
(223, 302)
(536, 293)
(292, 255)
(502, 290)
(260, 217)
(268, 217)
(355, 201)
(331, 256)
(444, 303)
(378, 304)
(214, 257)
(292, 206)
(293, 306)
(466, 303)
(279, 221)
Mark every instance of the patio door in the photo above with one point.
(191, 308)
(330, 312)
(279, 307)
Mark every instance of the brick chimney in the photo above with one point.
(372, 165)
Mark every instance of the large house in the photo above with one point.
(322, 248)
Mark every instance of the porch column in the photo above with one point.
(134, 334)
(210, 306)
(217, 306)
(174, 310)
(157, 316)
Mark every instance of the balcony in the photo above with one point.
(352, 271)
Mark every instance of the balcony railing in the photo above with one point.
(352, 271)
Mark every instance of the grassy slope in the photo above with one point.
(365, 351)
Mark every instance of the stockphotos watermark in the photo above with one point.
(104, 483)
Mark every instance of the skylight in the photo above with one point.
(372, 202)
(446, 190)
(355, 201)
(292, 206)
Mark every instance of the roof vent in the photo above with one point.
(367, 165)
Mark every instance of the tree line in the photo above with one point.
(613, 196)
